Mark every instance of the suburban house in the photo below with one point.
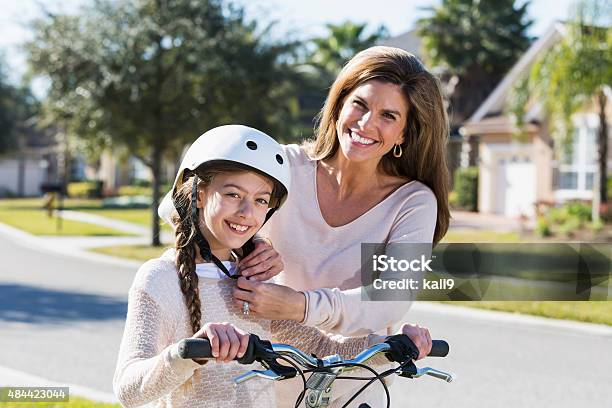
(35, 161)
(515, 176)
(40, 158)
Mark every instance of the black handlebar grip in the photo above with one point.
(439, 348)
(195, 348)
(250, 353)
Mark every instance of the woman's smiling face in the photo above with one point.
(234, 208)
(371, 121)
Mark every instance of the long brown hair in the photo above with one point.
(185, 231)
(427, 129)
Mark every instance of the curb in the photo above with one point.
(514, 318)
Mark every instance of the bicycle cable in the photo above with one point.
(376, 376)
(379, 377)
(300, 397)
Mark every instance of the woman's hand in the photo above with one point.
(226, 341)
(270, 301)
(420, 337)
(261, 264)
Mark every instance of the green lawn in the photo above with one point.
(36, 203)
(476, 236)
(136, 252)
(593, 312)
(74, 402)
(40, 225)
(140, 216)
(29, 216)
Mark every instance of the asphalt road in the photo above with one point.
(62, 318)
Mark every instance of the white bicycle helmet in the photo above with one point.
(238, 144)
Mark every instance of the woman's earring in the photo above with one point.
(397, 152)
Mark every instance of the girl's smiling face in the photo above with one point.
(371, 121)
(234, 208)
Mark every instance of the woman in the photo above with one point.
(375, 173)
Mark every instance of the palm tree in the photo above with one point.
(575, 72)
(341, 44)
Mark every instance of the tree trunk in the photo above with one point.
(156, 170)
(603, 149)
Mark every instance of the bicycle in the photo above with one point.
(318, 387)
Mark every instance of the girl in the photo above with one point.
(231, 180)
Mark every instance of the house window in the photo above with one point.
(578, 164)
(590, 180)
(568, 180)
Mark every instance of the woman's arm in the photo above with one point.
(348, 312)
(148, 368)
(313, 341)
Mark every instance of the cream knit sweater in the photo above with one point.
(149, 370)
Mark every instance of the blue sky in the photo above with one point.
(300, 18)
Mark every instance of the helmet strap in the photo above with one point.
(202, 243)
(269, 214)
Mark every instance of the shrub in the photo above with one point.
(85, 189)
(453, 200)
(580, 210)
(572, 225)
(142, 190)
(142, 183)
(132, 191)
(558, 215)
(543, 227)
(570, 217)
(596, 226)
(466, 187)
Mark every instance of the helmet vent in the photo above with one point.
(279, 159)
(251, 145)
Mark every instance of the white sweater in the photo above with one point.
(149, 370)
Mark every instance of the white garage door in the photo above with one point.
(516, 187)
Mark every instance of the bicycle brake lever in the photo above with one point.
(267, 374)
(274, 371)
(448, 377)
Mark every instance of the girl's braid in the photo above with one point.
(185, 262)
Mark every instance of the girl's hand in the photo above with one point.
(420, 337)
(261, 264)
(226, 341)
(270, 301)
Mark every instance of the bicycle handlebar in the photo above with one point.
(398, 348)
(257, 348)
